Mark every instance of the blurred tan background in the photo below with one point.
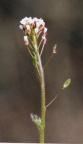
(19, 88)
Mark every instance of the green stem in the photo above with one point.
(42, 84)
(42, 50)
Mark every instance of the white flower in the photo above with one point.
(54, 49)
(44, 40)
(26, 18)
(45, 30)
(43, 37)
(28, 30)
(24, 21)
(35, 20)
(21, 27)
(25, 38)
(36, 31)
(42, 23)
(30, 21)
(27, 27)
(26, 42)
(38, 24)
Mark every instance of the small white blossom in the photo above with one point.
(26, 42)
(54, 49)
(28, 30)
(30, 21)
(23, 22)
(35, 20)
(45, 29)
(42, 23)
(44, 40)
(27, 27)
(37, 24)
(36, 31)
(26, 19)
(21, 27)
(25, 38)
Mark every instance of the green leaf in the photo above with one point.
(66, 83)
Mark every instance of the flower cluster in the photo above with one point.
(32, 28)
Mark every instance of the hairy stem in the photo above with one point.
(42, 85)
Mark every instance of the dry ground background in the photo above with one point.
(19, 89)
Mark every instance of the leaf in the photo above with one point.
(66, 83)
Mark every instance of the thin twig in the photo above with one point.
(48, 61)
(42, 50)
(53, 99)
(40, 44)
(30, 46)
(30, 52)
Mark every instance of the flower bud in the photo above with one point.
(35, 20)
(45, 31)
(36, 31)
(37, 24)
(21, 27)
(23, 22)
(54, 49)
(31, 21)
(44, 40)
(26, 42)
(28, 30)
(41, 24)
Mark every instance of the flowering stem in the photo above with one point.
(32, 28)
(42, 85)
